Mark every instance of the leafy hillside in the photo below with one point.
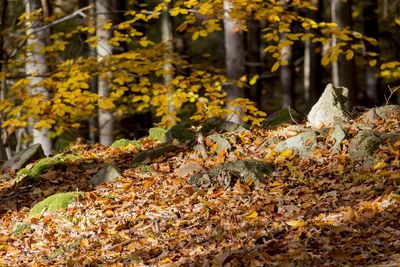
(326, 207)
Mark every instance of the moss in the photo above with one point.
(181, 133)
(44, 164)
(125, 142)
(54, 203)
(157, 134)
(21, 228)
(145, 169)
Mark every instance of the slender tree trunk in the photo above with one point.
(92, 53)
(235, 57)
(36, 69)
(313, 70)
(3, 57)
(253, 62)
(167, 36)
(287, 77)
(371, 29)
(106, 120)
(344, 71)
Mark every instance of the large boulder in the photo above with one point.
(382, 113)
(302, 144)
(108, 173)
(247, 171)
(330, 107)
(23, 157)
(364, 144)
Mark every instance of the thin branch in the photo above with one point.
(70, 16)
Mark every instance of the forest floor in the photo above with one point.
(323, 209)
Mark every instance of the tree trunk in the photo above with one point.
(313, 71)
(3, 57)
(234, 58)
(371, 29)
(167, 36)
(106, 120)
(287, 77)
(344, 71)
(253, 62)
(36, 69)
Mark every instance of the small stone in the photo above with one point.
(147, 156)
(188, 168)
(108, 173)
(221, 142)
(338, 135)
(302, 144)
(23, 157)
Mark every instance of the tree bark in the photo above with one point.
(313, 71)
(371, 28)
(253, 61)
(344, 71)
(235, 57)
(106, 120)
(287, 77)
(167, 37)
(36, 69)
(3, 57)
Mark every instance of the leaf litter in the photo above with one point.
(318, 210)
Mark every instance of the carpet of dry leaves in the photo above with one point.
(323, 210)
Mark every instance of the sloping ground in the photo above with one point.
(320, 210)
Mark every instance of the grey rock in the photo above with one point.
(338, 135)
(221, 142)
(108, 173)
(330, 107)
(364, 144)
(302, 144)
(23, 157)
(188, 168)
(147, 156)
(218, 125)
(382, 113)
(248, 171)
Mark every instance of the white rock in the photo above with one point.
(330, 107)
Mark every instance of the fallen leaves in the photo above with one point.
(321, 210)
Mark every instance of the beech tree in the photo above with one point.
(36, 67)
(234, 59)
(104, 50)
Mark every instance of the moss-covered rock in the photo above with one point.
(125, 142)
(282, 116)
(21, 228)
(44, 164)
(54, 203)
(180, 133)
(157, 134)
(253, 172)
